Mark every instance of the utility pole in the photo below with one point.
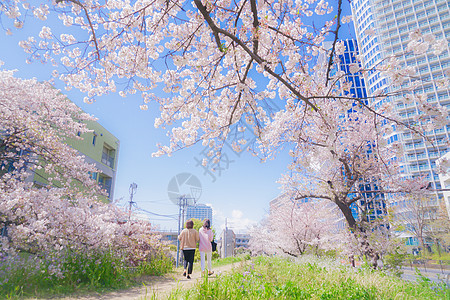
(179, 230)
(225, 237)
(133, 188)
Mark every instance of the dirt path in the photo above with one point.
(159, 286)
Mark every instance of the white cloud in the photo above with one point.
(237, 214)
(237, 222)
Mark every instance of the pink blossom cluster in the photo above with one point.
(294, 227)
(65, 214)
(219, 62)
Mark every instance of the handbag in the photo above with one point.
(213, 245)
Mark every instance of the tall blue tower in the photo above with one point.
(373, 205)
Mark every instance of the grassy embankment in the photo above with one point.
(309, 278)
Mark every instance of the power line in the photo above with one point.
(166, 220)
(155, 214)
(163, 201)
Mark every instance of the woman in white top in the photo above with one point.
(206, 236)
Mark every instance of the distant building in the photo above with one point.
(277, 202)
(226, 243)
(169, 236)
(199, 211)
(101, 148)
(445, 184)
(242, 240)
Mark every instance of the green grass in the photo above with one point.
(29, 276)
(309, 278)
(229, 260)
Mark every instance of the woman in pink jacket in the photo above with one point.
(206, 236)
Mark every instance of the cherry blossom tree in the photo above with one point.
(294, 228)
(220, 63)
(347, 153)
(439, 228)
(415, 212)
(36, 122)
(259, 242)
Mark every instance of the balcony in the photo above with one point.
(433, 155)
(424, 167)
(413, 168)
(421, 156)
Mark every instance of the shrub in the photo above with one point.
(394, 261)
(159, 264)
(61, 272)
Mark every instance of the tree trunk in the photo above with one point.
(358, 232)
(347, 212)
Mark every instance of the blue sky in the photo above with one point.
(240, 192)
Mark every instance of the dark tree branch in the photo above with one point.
(336, 33)
(89, 20)
(216, 30)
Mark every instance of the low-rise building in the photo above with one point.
(226, 243)
(99, 147)
(242, 240)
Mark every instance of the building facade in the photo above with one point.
(199, 211)
(226, 243)
(382, 29)
(242, 240)
(373, 205)
(99, 147)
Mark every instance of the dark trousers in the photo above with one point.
(188, 260)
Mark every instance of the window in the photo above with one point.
(94, 139)
(108, 156)
(93, 175)
(105, 182)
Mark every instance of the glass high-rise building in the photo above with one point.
(382, 29)
(199, 211)
(372, 206)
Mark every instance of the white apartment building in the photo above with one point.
(226, 243)
(392, 21)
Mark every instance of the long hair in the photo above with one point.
(207, 224)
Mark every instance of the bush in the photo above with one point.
(159, 264)
(393, 262)
(61, 273)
